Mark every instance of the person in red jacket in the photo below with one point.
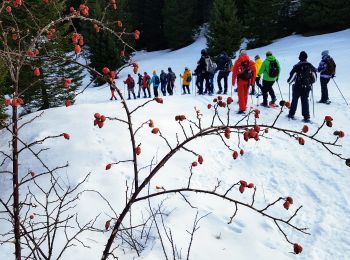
(244, 72)
(146, 84)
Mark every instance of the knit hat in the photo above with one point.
(303, 56)
(324, 53)
(268, 53)
(257, 57)
(243, 52)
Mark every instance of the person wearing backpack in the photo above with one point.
(258, 64)
(203, 73)
(171, 77)
(131, 85)
(155, 81)
(146, 85)
(244, 72)
(186, 81)
(271, 70)
(327, 69)
(224, 67)
(140, 84)
(303, 75)
(163, 82)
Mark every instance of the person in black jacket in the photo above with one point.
(140, 83)
(171, 77)
(224, 66)
(303, 75)
(163, 82)
(203, 72)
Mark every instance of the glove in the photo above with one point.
(333, 75)
(277, 79)
(288, 80)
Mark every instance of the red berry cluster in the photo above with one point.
(227, 133)
(84, 10)
(138, 149)
(256, 113)
(288, 202)
(329, 121)
(136, 34)
(244, 184)
(16, 102)
(66, 136)
(252, 133)
(99, 120)
(33, 53)
(180, 118)
(135, 68)
(50, 33)
(158, 100)
(114, 4)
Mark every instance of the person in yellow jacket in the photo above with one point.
(186, 80)
(258, 64)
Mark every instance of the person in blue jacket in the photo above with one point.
(155, 81)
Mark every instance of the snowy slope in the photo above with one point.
(278, 167)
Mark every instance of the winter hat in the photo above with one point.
(257, 57)
(186, 68)
(243, 52)
(269, 53)
(324, 53)
(303, 56)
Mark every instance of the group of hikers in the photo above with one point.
(166, 81)
(259, 76)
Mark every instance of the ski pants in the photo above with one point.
(242, 90)
(324, 88)
(144, 92)
(131, 91)
(155, 91)
(223, 75)
(186, 87)
(204, 76)
(170, 87)
(267, 89)
(163, 88)
(302, 93)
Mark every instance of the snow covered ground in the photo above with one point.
(278, 167)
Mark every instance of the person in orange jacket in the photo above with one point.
(244, 72)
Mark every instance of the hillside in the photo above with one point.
(278, 166)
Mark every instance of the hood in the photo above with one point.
(243, 58)
(325, 57)
(271, 58)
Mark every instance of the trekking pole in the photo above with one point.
(313, 100)
(279, 89)
(289, 92)
(340, 91)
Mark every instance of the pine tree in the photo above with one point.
(179, 22)
(324, 16)
(261, 21)
(224, 28)
(104, 50)
(44, 94)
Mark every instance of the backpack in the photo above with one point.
(273, 69)
(331, 66)
(246, 72)
(148, 80)
(132, 83)
(305, 76)
(189, 78)
(156, 80)
(211, 66)
(172, 76)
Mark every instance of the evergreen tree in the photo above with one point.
(261, 21)
(224, 28)
(104, 50)
(179, 22)
(44, 94)
(324, 16)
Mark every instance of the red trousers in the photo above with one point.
(242, 89)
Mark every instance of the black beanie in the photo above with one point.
(303, 56)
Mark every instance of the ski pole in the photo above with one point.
(279, 89)
(289, 92)
(340, 91)
(313, 100)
